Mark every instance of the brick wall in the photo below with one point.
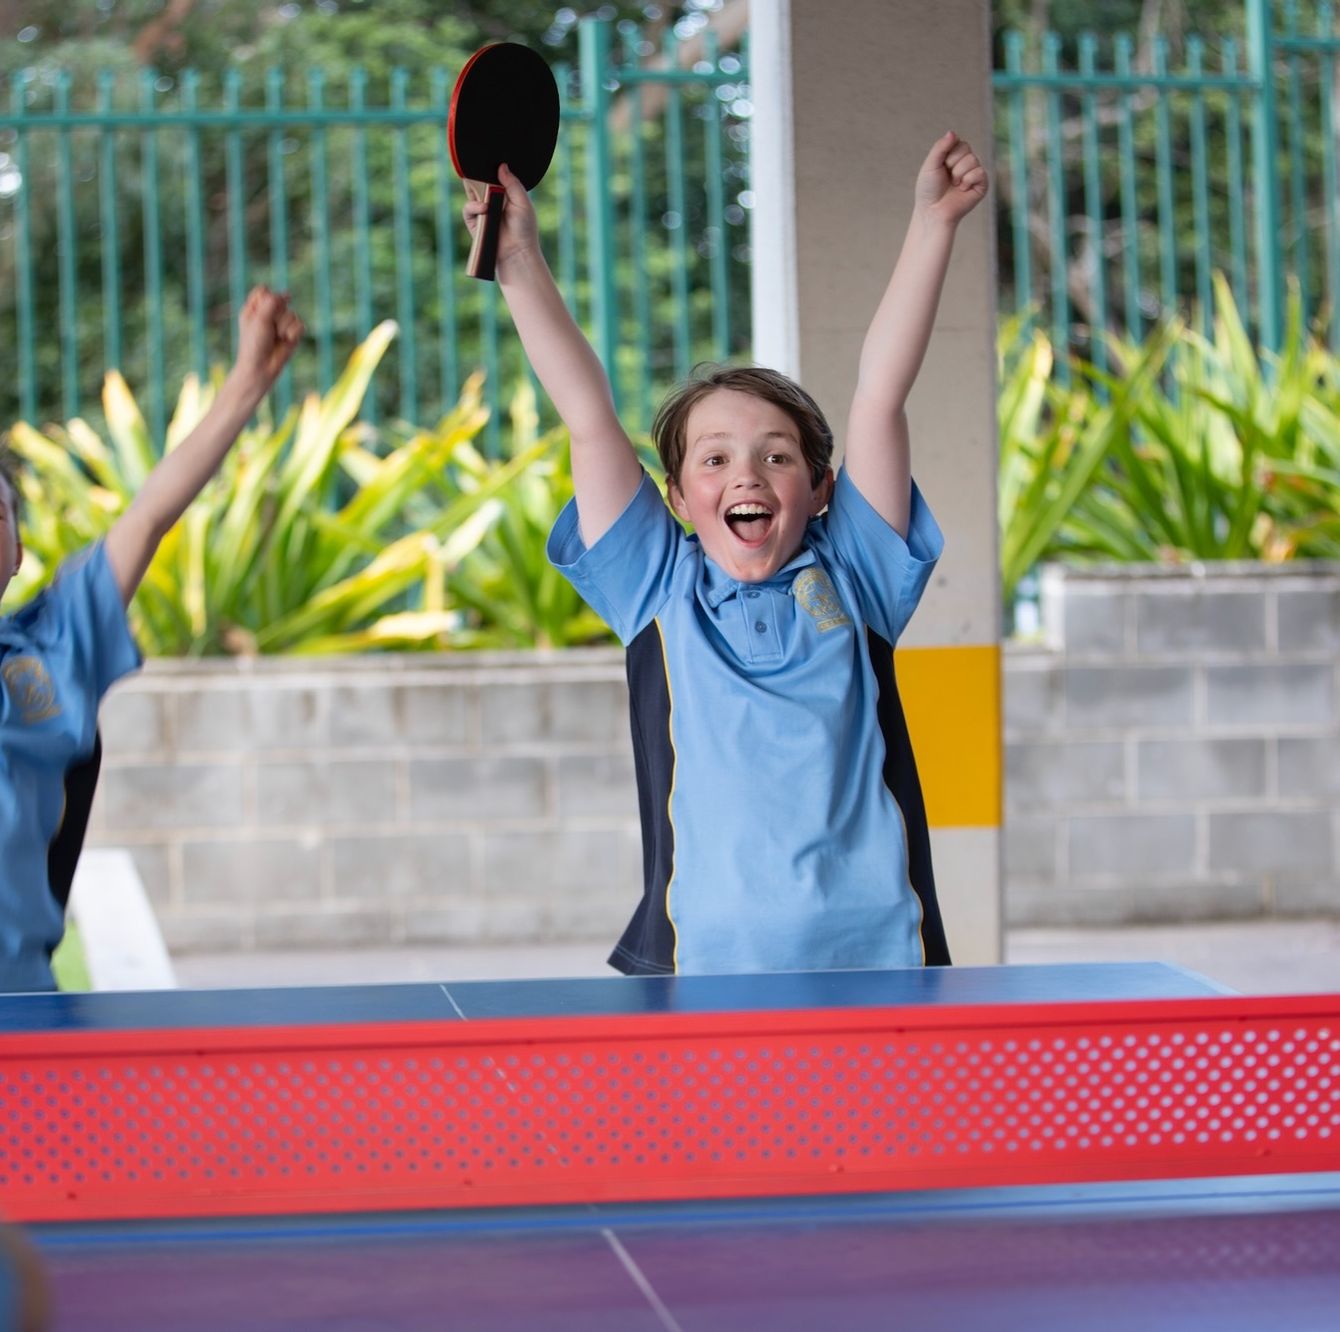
(1173, 752)
(375, 800)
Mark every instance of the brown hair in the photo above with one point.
(668, 429)
(9, 478)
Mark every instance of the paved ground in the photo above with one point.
(1295, 957)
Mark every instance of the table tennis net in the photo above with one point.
(385, 1116)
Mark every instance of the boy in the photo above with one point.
(62, 651)
(771, 839)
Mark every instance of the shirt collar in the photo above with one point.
(719, 586)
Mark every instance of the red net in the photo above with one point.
(430, 1115)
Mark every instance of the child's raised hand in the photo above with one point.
(519, 230)
(268, 331)
(951, 182)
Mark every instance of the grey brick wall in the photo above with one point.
(1172, 752)
(1173, 747)
(432, 799)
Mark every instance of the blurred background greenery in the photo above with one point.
(355, 520)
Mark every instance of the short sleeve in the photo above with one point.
(85, 602)
(888, 572)
(628, 574)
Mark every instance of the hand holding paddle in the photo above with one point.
(504, 109)
(515, 229)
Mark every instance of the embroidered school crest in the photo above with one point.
(30, 687)
(816, 593)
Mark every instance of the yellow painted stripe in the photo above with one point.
(951, 696)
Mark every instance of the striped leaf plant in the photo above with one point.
(1198, 447)
(311, 539)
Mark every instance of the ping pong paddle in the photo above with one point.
(504, 108)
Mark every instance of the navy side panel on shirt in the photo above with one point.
(81, 781)
(900, 776)
(647, 947)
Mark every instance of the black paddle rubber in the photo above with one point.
(504, 109)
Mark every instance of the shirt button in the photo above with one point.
(760, 626)
(753, 596)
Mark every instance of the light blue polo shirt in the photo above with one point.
(789, 851)
(58, 655)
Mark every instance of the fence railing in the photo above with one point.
(133, 219)
(1123, 184)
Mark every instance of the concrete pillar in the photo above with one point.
(848, 96)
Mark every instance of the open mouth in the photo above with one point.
(750, 522)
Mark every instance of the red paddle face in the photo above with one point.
(504, 109)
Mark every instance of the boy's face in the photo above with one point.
(745, 485)
(11, 548)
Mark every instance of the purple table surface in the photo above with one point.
(1227, 1256)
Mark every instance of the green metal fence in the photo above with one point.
(1123, 183)
(134, 218)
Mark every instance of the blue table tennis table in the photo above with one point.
(1259, 1250)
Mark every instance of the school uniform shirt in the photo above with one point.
(58, 655)
(771, 839)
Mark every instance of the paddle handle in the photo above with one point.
(484, 249)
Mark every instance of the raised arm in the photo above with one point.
(268, 332)
(950, 184)
(605, 469)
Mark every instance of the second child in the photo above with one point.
(60, 653)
